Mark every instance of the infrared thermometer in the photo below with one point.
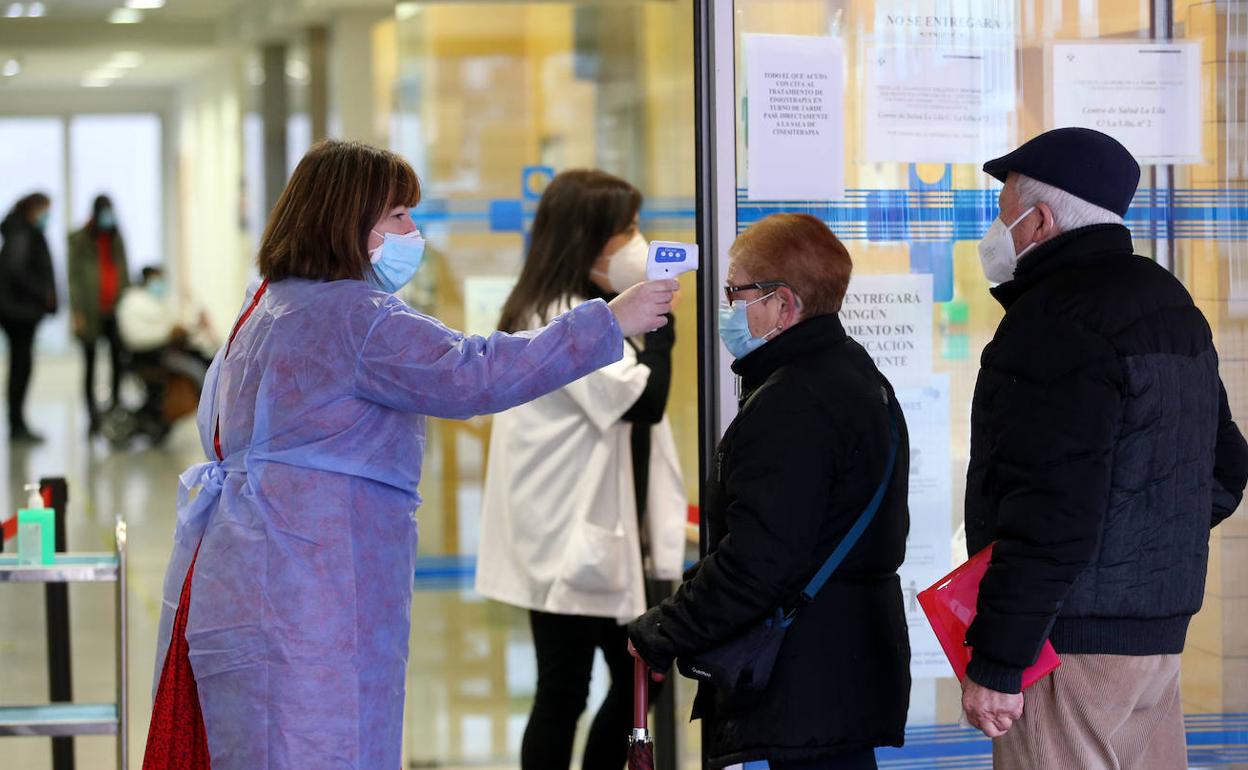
(668, 259)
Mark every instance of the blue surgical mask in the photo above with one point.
(397, 259)
(106, 220)
(41, 221)
(734, 328)
(158, 288)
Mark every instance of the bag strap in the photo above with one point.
(864, 519)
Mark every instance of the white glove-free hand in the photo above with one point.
(992, 712)
(644, 307)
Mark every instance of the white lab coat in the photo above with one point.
(559, 530)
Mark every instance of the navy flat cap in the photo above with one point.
(1085, 163)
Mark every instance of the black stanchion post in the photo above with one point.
(56, 601)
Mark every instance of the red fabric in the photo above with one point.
(109, 281)
(177, 739)
(216, 435)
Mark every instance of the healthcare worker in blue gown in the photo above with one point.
(284, 633)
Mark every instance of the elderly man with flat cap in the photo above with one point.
(1102, 453)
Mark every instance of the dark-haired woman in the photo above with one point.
(27, 294)
(578, 480)
(284, 636)
(98, 274)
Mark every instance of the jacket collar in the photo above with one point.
(1062, 253)
(811, 335)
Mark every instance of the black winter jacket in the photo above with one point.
(793, 472)
(27, 288)
(1102, 452)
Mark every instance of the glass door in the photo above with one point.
(875, 116)
(492, 100)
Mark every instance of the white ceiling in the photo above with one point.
(174, 10)
(73, 39)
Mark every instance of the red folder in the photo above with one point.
(950, 608)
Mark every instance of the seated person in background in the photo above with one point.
(151, 326)
(160, 345)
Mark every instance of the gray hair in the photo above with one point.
(1069, 212)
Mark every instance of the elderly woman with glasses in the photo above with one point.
(817, 436)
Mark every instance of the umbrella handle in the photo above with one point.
(641, 693)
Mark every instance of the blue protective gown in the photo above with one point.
(300, 609)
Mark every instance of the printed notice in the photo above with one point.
(1145, 96)
(891, 316)
(940, 81)
(929, 549)
(930, 105)
(794, 131)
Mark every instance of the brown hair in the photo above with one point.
(801, 251)
(27, 204)
(320, 225)
(579, 212)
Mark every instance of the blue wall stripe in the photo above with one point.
(878, 215)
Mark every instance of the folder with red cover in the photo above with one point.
(950, 605)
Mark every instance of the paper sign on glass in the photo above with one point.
(940, 81)
(794, 131)
(937, 105)
(1145, 95)
(891, 317)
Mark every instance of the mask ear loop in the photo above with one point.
(797, 303)
(1021, 217)
(766, 336)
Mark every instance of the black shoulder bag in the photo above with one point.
(745, 662)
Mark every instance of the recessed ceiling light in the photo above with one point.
(11, 68)
(15, 10)
(405, 11)
(125, 16)
(146, 5)
(96, 82)
(126, 59)
(34, 10)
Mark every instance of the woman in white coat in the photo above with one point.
(563, 533)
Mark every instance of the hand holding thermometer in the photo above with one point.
(668, 259)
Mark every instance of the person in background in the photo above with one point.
(283, 637)
(1102, 454)
(149, 322)
(97, 277)
(159, 342)
(796, 468)
(27, 294)
(583, 481)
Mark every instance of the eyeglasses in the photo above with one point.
(730, 291)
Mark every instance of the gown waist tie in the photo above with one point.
(209, 479)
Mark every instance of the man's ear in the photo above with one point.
(1048, 223)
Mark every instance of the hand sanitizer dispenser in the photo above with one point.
(36, 530)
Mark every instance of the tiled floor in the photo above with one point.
(471, 674)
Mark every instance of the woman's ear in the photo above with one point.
(792, 306)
